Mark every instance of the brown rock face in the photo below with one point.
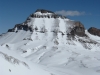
(94, 31)
(44, 11)
(21, 27)
(54, 15)
(78, 29)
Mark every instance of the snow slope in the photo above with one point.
(46, 51)
(12, 64)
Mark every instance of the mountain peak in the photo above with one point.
(47, 21)
(44, 11)
(60, 45)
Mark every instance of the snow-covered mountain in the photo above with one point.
(49, 44)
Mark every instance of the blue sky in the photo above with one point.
(16, 11)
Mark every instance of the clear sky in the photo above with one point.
(16, 11)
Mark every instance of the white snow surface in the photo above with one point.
(49, 53)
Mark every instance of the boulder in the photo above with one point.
(94, 31)
(78, 29)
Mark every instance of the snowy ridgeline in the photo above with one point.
(16, 65)
(46, 16)
(13, 60)
(41, 13)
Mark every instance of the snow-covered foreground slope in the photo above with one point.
(12, 64)
(62, 59)
(69, 61)
(48, 50)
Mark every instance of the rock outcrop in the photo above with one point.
(78, 29)
(52, 15)
(94, 31)
(20, 27)
(44, 11)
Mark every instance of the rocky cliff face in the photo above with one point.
(94, 31)
(20, 27)
(44, 11)
(39, 13)
(78, 29)
(46, 14)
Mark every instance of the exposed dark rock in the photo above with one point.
(21, 27)
(30, 28)
(28, 18)
(94, 31)
(24, 51)
(36, 28)
(44, 11)
(11, 30)
(46, 16)
(16, 31)
(9, 70)
(78, 29)
(18, 26)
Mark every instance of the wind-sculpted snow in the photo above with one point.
(13, 64)
(13, 60)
